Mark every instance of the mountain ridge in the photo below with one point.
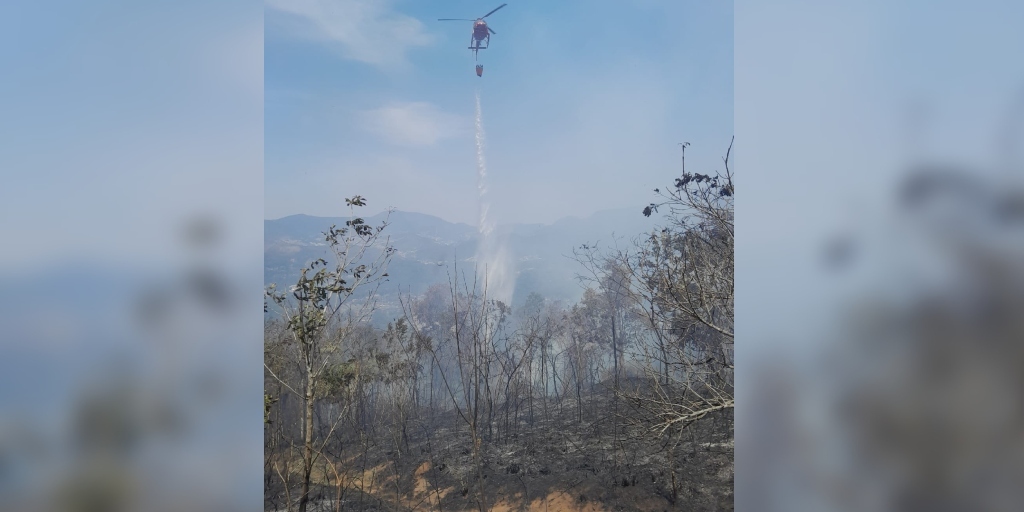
(427, 245)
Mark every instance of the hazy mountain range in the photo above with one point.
(427, 249)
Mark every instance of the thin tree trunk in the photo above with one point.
(544, 375)
(307, 455)
(615, 353)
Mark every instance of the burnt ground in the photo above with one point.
(556, 463)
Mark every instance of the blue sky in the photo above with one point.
(583, 103)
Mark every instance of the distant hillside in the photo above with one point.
(427, 247)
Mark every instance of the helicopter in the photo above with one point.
(481, 35)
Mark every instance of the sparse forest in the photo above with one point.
(621, 401)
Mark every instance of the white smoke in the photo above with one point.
(493, 265)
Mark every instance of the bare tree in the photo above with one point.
(684, 277)
(678, 283)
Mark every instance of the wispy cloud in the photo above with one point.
(368, 31)
(415, 124)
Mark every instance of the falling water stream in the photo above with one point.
(493, 265)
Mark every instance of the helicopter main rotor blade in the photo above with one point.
(494, 11)
(492, 30)
(453, 19)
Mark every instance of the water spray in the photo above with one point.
(491, 256)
